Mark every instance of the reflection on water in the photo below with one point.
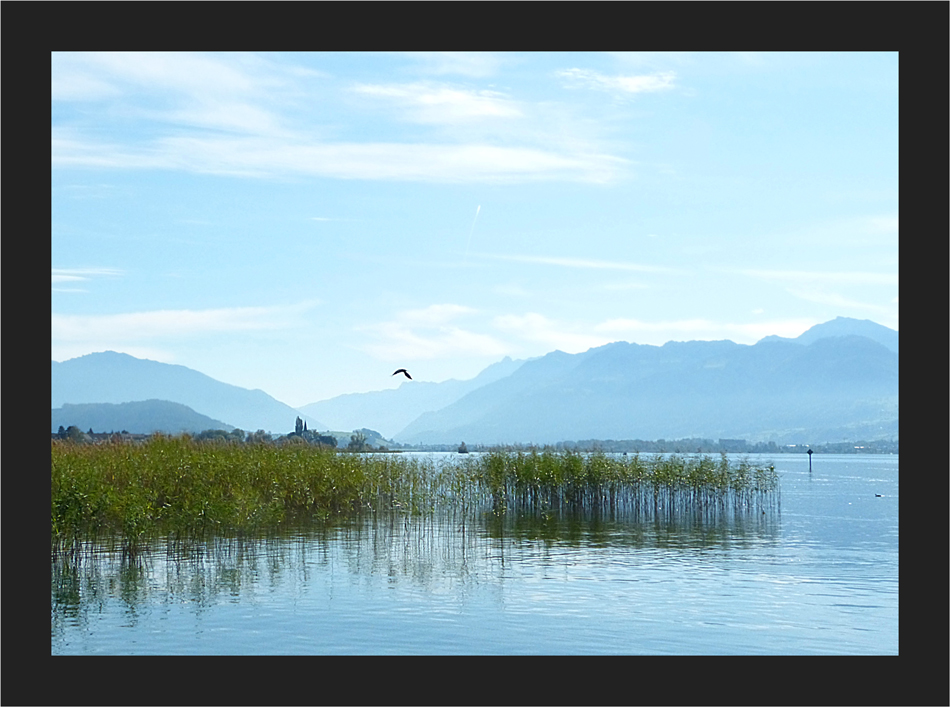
(433, 552)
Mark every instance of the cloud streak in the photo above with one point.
(471, 64)
(430, 333)
(261, 157)
(111, 330)
(442, 104)
(813, 276)
(580, 263)
(538, 329)
(840, 302)
(60, 275)
(620, 84)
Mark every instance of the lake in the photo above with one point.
(817, 573)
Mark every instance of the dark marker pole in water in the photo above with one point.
(809, 461)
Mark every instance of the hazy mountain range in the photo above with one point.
(390, 411)
(838, 380)
(140, 417)
(110, 377)
(839, 387)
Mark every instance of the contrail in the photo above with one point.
(473, 230)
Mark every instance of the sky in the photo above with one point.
(305, 224)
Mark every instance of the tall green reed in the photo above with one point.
(180, 487)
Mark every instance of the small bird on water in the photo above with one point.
(404, 372)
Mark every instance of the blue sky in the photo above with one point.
(307, 223)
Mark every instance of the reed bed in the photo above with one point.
(538, 482)
(174, 486)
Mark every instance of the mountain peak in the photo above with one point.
(845, 326)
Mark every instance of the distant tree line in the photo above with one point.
(733, 446)
(690, 445)
(76, 435)
(359, 442)
(301, 435)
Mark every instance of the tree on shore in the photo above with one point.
(357, 441)
(259, 437)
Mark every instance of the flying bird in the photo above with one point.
(404, 372)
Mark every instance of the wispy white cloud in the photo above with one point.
(585, 78)
(81, 274)
(66, 279)
(804, 277)
(860, 234)
(399, 343)
(840, 302)
(258, 157)
(582, 263)
(471, 64)
(434, 315)
(430, 333)
(442, 104)
(538, 329)
(104, 331)
(637, 326)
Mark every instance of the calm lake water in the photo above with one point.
(816, 573)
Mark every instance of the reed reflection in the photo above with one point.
(434, 551)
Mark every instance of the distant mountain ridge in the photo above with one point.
(110, 377)
(829, 384)
(845, 326)
(389, 411)
(139, 417)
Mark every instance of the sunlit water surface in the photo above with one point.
(816, 573)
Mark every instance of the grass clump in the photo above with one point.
(540, 481)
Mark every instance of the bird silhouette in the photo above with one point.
(404, 372)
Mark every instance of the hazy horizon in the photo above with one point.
(305, 224)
